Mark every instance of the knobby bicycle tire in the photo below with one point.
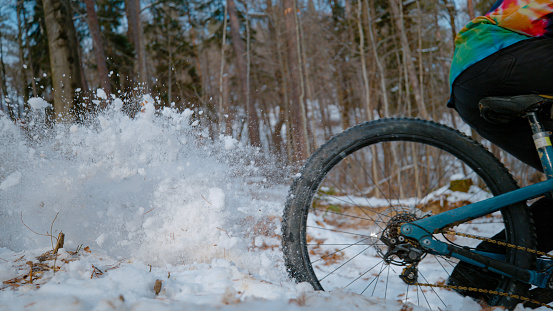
(331, 212)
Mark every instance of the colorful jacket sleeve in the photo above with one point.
(507, 22)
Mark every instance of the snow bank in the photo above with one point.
(149, 188)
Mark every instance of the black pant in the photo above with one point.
(523, 68)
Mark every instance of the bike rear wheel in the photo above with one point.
(352, 187)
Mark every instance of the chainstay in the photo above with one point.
(486, 291)
(501, 243)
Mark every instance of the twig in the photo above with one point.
(206, 200)
(157, 286)
(223, 231)
(32, 229)
(51, 236)
(149, 210)
(94, 273)
(30, 263)
(59, 244)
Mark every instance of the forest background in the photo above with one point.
(280, 75)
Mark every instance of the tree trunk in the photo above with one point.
(64, 59)
(240, 51)
(295, 112)
(381, 72)
(303, 106)
(31, 62)
(3, 105)
(136, 37)
(451, 12)
(19, 9)
(99, 53)
(397, 12)
(363, 63)
(470, 9)
(221, 108)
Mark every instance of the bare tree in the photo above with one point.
(99, 53)
(296, 109)
(64, 58)
(136, 37)
(377, 58)
(397, 11)
(3, 105)
(240, 52)
(221, 109)
(363, 62)
(470, 9)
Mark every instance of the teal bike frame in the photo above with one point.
(423, 229)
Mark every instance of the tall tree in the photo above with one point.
(3, 86)
(136, 37)
(99, 53)
(64, 58)
(397, 11)
(240, 54)
(39, 54)
(169, 46)
(119, 54)
(296, 110)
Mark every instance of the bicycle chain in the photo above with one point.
(501, 243)
(486, 291)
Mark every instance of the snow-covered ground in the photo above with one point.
(155, 217)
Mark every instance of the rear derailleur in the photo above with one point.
(402, 251)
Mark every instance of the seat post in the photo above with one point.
(542, 141)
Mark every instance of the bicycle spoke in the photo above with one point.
(369, 270)
(340, 231)
(361, 208)
(432, 289)
(352, 258)
(348, 246)
(368, 188)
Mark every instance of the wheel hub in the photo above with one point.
(402, 251)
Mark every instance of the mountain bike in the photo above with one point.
(389, 208)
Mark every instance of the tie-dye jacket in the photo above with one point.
(508, 22)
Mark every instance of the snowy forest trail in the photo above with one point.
(155, 217)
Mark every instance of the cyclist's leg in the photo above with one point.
(523, 68)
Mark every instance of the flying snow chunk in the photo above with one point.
(117, 104)
(187, 112)
(11, 181)
(38, 103)
(101, 94)
(148, 108)
(228, 142)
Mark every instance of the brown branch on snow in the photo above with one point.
(30, 263)
(59, 244)
(52, 231)
(96, 272)
(157, 286)
(61, 235)
(33, 231)
(206, 200)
